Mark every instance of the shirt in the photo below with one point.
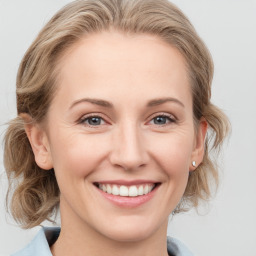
(40, 245)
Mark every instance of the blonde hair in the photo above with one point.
(36, 193)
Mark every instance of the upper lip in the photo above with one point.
(126, 182)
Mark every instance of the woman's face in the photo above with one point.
(121, 121)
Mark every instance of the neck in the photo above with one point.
(79, 238)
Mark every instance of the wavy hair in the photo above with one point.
(33, 194)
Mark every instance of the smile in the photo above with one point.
(127, 194)
(128, 191)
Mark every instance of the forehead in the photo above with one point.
(113, 62)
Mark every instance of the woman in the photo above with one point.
(113, 101)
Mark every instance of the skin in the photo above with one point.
(127, 143)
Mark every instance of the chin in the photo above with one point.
(131, 230)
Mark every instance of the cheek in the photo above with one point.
(173, 153)
(77, 155)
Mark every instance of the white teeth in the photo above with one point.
(146, 189)
(109, 190)
(140, 190)
(133, 191)
(115, 190)
(123, 190)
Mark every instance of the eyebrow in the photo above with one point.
(99, 102)
(106, 104)
(160, 101)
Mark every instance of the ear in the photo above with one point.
(39, 142)
(199, 146)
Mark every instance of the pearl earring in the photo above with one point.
(194, 163)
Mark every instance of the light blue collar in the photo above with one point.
(177, 248)
(40, 245)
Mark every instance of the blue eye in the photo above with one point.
(162, 120)
(93, 121)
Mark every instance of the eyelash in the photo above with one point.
(87, 117)
(169, 117)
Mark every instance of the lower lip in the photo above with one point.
(129, 202)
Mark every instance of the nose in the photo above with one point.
(129, 149)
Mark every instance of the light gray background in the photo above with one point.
(228, 224)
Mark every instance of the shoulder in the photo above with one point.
(40, 245)
(177, 248)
